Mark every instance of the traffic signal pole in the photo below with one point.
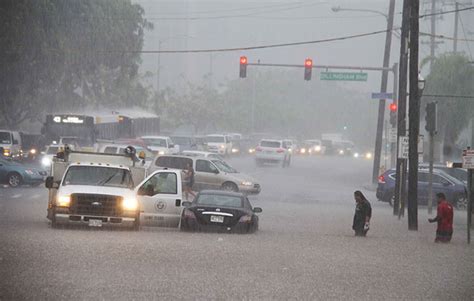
(383, 89)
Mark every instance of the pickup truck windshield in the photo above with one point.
(160, 142)
(5, 138)
(98, 176)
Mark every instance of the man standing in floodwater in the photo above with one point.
(444, 217)
(363, 213)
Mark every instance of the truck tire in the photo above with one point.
(14, 179)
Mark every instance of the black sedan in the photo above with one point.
(220, 211)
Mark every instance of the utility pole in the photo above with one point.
(401, 166)
(414, 117)
(383, 89)
(433, 32)
(456, 18)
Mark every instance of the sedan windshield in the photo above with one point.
(224, 166)
(160, 142)
(98, 176)
(220, 200)
(182, 140)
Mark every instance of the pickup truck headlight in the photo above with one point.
(161, 152)
(247, 183)
(317, 148)
(46, 161)
(130, 204)
(63, 200)
(222, 146)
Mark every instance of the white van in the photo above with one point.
(10, 143)
(219, 144)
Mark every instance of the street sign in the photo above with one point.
(393, 135)
(382, 95)
(403, 147)
(468, 159)
(346, 76)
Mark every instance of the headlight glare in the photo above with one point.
(63, 200)
(46, 161)
(130, 204)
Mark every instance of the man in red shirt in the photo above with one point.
(444, 217)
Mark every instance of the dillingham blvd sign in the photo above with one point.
(344, 76)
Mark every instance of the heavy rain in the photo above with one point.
(236, 150)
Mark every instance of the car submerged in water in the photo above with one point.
(220, 211)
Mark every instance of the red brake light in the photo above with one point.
(280, 150)
(258, 149)
(381, 179)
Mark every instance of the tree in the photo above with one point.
(56, 54)
(451, 74)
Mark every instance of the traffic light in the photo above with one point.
(393, 114)
(308, 68)
(243, 67)
(430, 118)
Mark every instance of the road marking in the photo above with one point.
(15, 196)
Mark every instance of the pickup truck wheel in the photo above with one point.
(14, 179)
(461, 203)
(229, 186)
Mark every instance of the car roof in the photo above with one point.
(155, 137)
(99, 165)
(222, 192)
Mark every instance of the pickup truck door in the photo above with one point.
(159, 197)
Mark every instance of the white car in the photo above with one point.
(162, 145)
(316, 145)
(202, 154)
(272, 151)
(219, 144)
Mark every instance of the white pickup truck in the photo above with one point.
(98, 189)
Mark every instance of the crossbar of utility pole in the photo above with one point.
(361, 68)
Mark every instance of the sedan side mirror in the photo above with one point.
(257, 210)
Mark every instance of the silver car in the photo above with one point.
(210, 173)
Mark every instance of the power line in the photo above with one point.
(440, 36)
(450, 96)
(255, 47)
(447, 12)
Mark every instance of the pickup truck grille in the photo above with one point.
(95, 204)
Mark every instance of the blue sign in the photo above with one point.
(380, 95)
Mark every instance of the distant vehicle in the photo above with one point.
(202, 154)
(316, 146)
(122, 149)
(162, 145)
(219, 144)
(49, 153)
(220, 211)
(10, 143)
(15, 174)
(344, 147)
(272, 151)
(209, 173)
(454, 189)
(184, 142)
(291, 145)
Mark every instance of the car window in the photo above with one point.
(110, 150)
(205, 166)
(220, 200)
(162, 183)
(164, 162)
(437, 179)
(266, 143)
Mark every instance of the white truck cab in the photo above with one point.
(219, 144)
(94, 189)
(10, 143)
(160, 198)
(161, 145)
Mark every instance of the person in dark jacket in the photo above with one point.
(363, 214)
(189, 181)
(444, 218)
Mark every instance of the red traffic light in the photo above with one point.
(308, 63)
(393, 107)
(243, 60)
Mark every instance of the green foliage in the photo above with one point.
(451, 74)
(60, 55)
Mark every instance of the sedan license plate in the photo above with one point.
(95, 223)
(217, 219)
